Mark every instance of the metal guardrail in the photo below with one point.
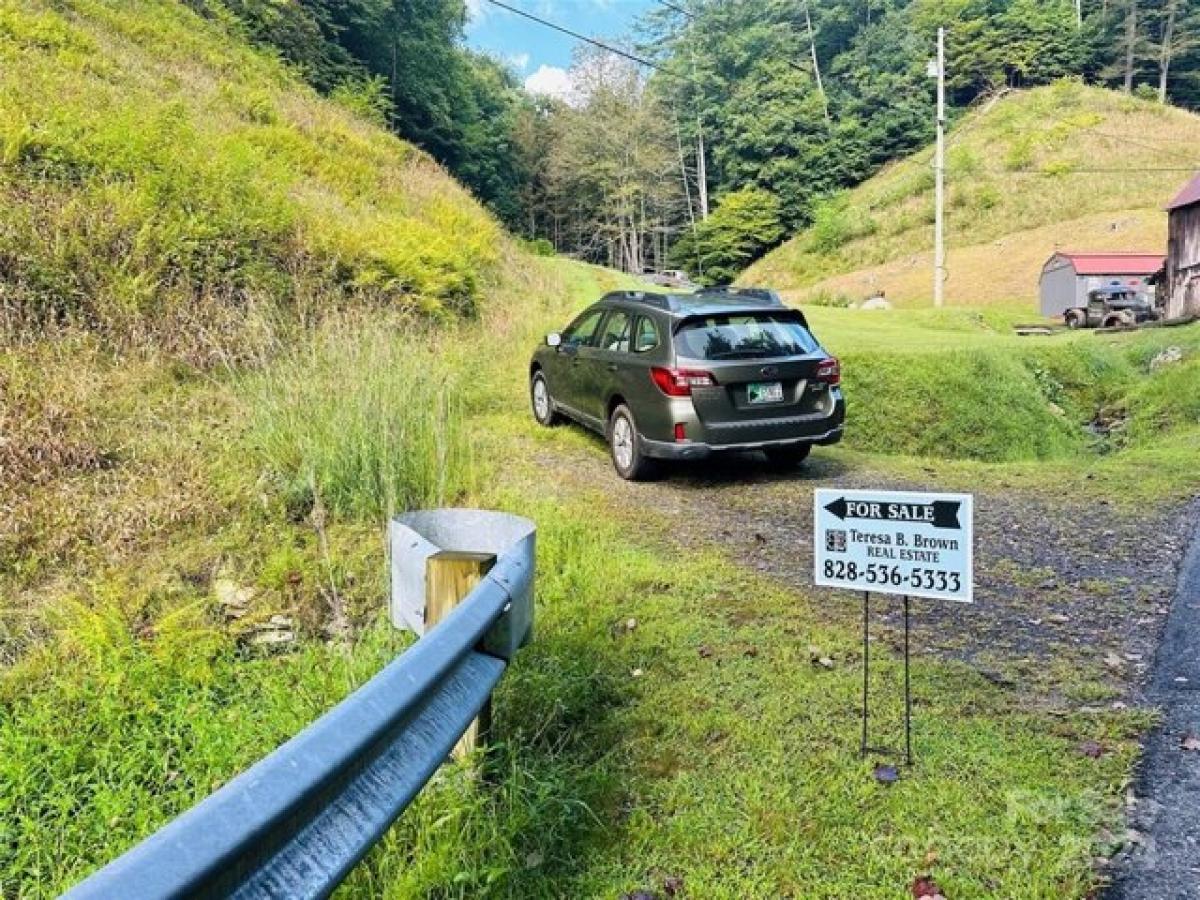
(295, 823)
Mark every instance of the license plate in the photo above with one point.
(764, 391)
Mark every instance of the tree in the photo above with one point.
(1177, 27)
(745, 225)
(610, 180)
(1131, 41)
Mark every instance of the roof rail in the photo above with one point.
(661, 301)
(759, 294)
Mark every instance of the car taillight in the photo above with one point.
(679, 382)
(830, 372)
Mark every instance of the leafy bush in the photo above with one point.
(836, 223)
(539, 247)
(746, 223)
(367, 98)
(833, 299)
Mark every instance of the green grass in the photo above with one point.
(163, 182)
(1015, 194)
(169, 191)
(971, 389)
(367, 421)
(737, 771)
(134, 710)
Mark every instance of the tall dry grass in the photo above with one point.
(365, 420)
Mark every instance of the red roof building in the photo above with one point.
(1067, 277)
(1113, 262)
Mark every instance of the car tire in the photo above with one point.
(625, 446)
(793, 455)
(541, 401)
(1075, 318)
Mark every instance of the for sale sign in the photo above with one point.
(895, 542)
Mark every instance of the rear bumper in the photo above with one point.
(739, 435)
(700, 450)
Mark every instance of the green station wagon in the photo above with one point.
(685, 376)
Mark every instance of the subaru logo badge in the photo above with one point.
(769, 371)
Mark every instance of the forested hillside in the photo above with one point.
(792, 100)
(805, 99)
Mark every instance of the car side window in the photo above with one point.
(580, 332)
(616, 332)
(645, 335)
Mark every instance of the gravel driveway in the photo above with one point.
(1059, 581)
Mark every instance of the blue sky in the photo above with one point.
(540, 55)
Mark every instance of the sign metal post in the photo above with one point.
(894, 542)
(866, 667)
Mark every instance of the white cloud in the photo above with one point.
(551, 81)
(520, 61)
(477, 11)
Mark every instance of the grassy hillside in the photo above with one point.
(158, 176)
(958, 384)
(1015, 193)
(242, 326)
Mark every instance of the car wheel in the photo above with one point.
(539, 398)
(1075, 319)
(625, 444)
(788, 456)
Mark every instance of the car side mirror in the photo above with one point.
(553, 339)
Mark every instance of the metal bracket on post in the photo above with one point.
(864, 746)
(415, 537)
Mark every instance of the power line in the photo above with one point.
(678, 9)
(583, 37)
(1133, 170)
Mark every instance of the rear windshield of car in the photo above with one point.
(744, 336)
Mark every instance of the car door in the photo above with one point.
(606, 364)
(565, 377)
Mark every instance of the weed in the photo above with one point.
(130, 201)
(365, 420)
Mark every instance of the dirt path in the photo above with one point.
(1063, 585)
(1164, 863)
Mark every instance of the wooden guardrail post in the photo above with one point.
(450, 576)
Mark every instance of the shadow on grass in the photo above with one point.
(553, 795)
(738, 469)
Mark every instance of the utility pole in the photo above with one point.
(939, 170)
(1078, 12)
